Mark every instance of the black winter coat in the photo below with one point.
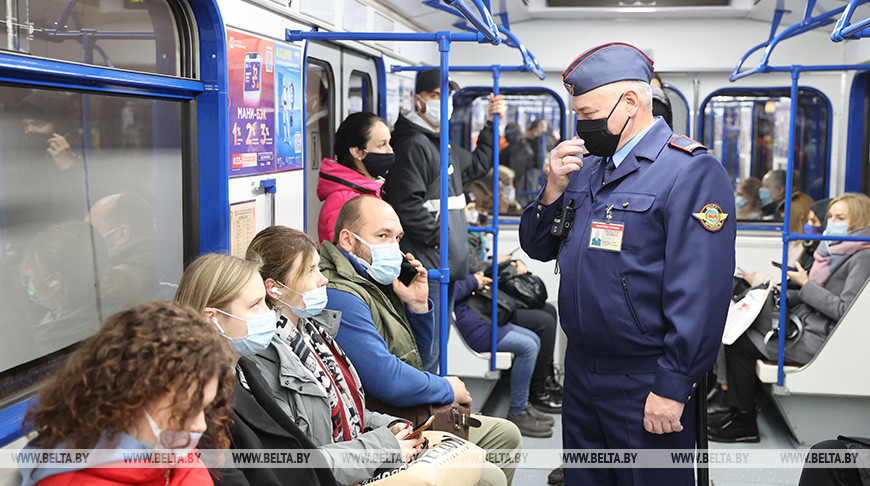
(413, 188)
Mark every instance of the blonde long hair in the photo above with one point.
(214, 280)
(858, 205)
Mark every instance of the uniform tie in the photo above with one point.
(608, 169)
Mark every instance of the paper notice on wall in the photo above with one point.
(243, 227)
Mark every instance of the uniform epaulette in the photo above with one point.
(686, 144)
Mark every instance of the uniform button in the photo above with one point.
(300, 387)
(286, 382)
(694, 385)
(689, 397)
(602, 183)
(625, 204)
(538, 215)
(540, 207)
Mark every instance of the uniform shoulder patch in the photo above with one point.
(685, 144)
(711, 217)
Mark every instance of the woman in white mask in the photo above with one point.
(311, 378)
(825, 293)
(229, 293)
(153, 377)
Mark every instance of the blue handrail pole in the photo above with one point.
(789, 180)
(496, 74)
(444, 278)
(292, 35)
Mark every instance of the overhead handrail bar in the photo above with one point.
(444, 39)
(844, 30)
(807, 24)
(530, 62)
(485, 25)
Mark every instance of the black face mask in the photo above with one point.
(597, 138)
(377, 164)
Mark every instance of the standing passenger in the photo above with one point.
(363, 157)
(644, 310)
(413, 185)
(152, 378)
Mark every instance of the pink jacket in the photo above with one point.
(336, 185)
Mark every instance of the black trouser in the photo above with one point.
(743, 384)
(830, 476)
(543, 323)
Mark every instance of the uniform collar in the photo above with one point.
(622, 153)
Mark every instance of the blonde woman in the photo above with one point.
(229, 292)
(840, 270)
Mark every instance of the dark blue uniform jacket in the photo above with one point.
(666, 294)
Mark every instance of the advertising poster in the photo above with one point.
(250, 69)
(288, 106)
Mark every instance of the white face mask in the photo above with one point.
(433, 111)
(179, 441)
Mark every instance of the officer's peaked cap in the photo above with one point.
(605, 64)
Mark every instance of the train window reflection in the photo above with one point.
(529, 130)
(748, 130)
(320, 112)
(679, 110)
(129, 34)
(359, 93)
(83, 194)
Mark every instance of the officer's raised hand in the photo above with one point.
(662, 415)
(564, 159)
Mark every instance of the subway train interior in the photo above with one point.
(209, 121)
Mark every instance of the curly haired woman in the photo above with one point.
(151, 378)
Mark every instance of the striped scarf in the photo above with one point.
(333, 371)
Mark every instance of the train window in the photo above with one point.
(320, 112)
(86, 184)
(748, 130)
(135, 35)
(359, 94)
(679, 109)
(531, 127)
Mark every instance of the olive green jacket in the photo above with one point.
(387, 310)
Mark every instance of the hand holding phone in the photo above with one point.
(779, 265)
(417, 430)
(407, 273)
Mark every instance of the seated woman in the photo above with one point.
(746, 198)
(231, 294)
(839, 273)
(363, 158)
(151, 378)
(309, 375)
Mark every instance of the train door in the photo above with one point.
(339, 82)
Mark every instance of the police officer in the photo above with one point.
(643, 308)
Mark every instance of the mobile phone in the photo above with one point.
(779, 265)
(407, 273)
(253, 78)
(413, 434)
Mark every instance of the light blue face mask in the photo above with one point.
(836, 229)
(315, 300)
(41, 301)
(386, 261)
(740, 202)
(764, 195)
(261, 329)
